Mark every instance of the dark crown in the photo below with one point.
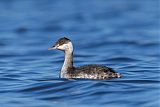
(62, 41)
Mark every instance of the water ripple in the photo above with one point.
(122, 35)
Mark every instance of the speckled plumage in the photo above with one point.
(92, 71)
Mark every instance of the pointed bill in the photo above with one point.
(52, 48)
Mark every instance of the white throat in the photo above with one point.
(68, 60)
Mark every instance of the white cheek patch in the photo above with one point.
(67, 46)
(62, 47)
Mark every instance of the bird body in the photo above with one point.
(91, 71)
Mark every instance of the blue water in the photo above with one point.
(122, 34)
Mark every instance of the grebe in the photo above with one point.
(92, 71)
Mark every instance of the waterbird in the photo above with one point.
(91, 71)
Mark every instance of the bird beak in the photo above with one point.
(52, 48)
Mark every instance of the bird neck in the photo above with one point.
(68, 62)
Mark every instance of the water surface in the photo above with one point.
(120, 34)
